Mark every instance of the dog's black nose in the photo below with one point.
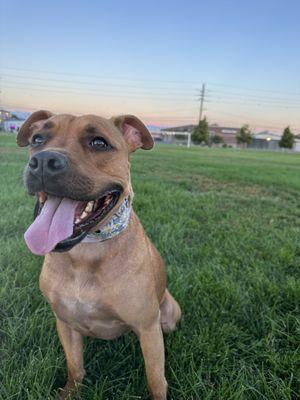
(47, 163)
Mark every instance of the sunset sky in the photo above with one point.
(151, 58)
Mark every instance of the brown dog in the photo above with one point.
(101, 275)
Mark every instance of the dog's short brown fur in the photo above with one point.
(103, 289)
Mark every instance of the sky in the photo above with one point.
(151, 59)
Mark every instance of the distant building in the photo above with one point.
(4, 114)
(297, 143)
(266, 141)
(228, 134)
(10, 122)
(270, 141)
(183, 128)
(263, 140)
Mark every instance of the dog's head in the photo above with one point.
(79, 170)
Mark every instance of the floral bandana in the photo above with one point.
(114, 226)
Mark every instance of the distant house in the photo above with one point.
(4, 115)
(266, 141)
(10, 122)
(270, 141)
(297, 143)
(228, 134)
(183, 128)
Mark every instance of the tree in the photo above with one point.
(287, 139)
(217, 139)
(200, 134)
(244, 135)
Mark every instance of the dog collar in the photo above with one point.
(113, 227)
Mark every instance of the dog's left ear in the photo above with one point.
(24, 132)
(134, 131)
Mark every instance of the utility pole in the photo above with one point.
(202, 96)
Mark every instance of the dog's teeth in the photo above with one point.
(77, 220)
(89, 206)
(83, 215)
(42, 197)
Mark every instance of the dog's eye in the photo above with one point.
(98, 143)
(37, 139)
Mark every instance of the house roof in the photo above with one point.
(12, 116)
(183, 128)
(216, 129)
(15, 118)
(5, 111)
(264, 135)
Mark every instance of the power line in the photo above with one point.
(254, 89)
(91, 83)
(255, 104)
(226, 95)
(249, 100)
(97, 94)
(184, 82)
(247, 95)
(91, 90)
(101, 77)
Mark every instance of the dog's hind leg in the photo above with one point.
(170, 312)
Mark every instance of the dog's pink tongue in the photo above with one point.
(53, 224)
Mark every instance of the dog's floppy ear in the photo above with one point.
(24, 132)
(134, 131)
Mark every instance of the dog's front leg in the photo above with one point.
(72, 343)
(152, 344)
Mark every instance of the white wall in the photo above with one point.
(297, 146)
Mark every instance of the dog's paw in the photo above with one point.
(68, 393)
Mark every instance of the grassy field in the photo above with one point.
(227, 223)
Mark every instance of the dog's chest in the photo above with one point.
(84, 303)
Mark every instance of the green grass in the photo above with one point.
(227, 223)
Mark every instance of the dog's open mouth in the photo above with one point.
(61, 223)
